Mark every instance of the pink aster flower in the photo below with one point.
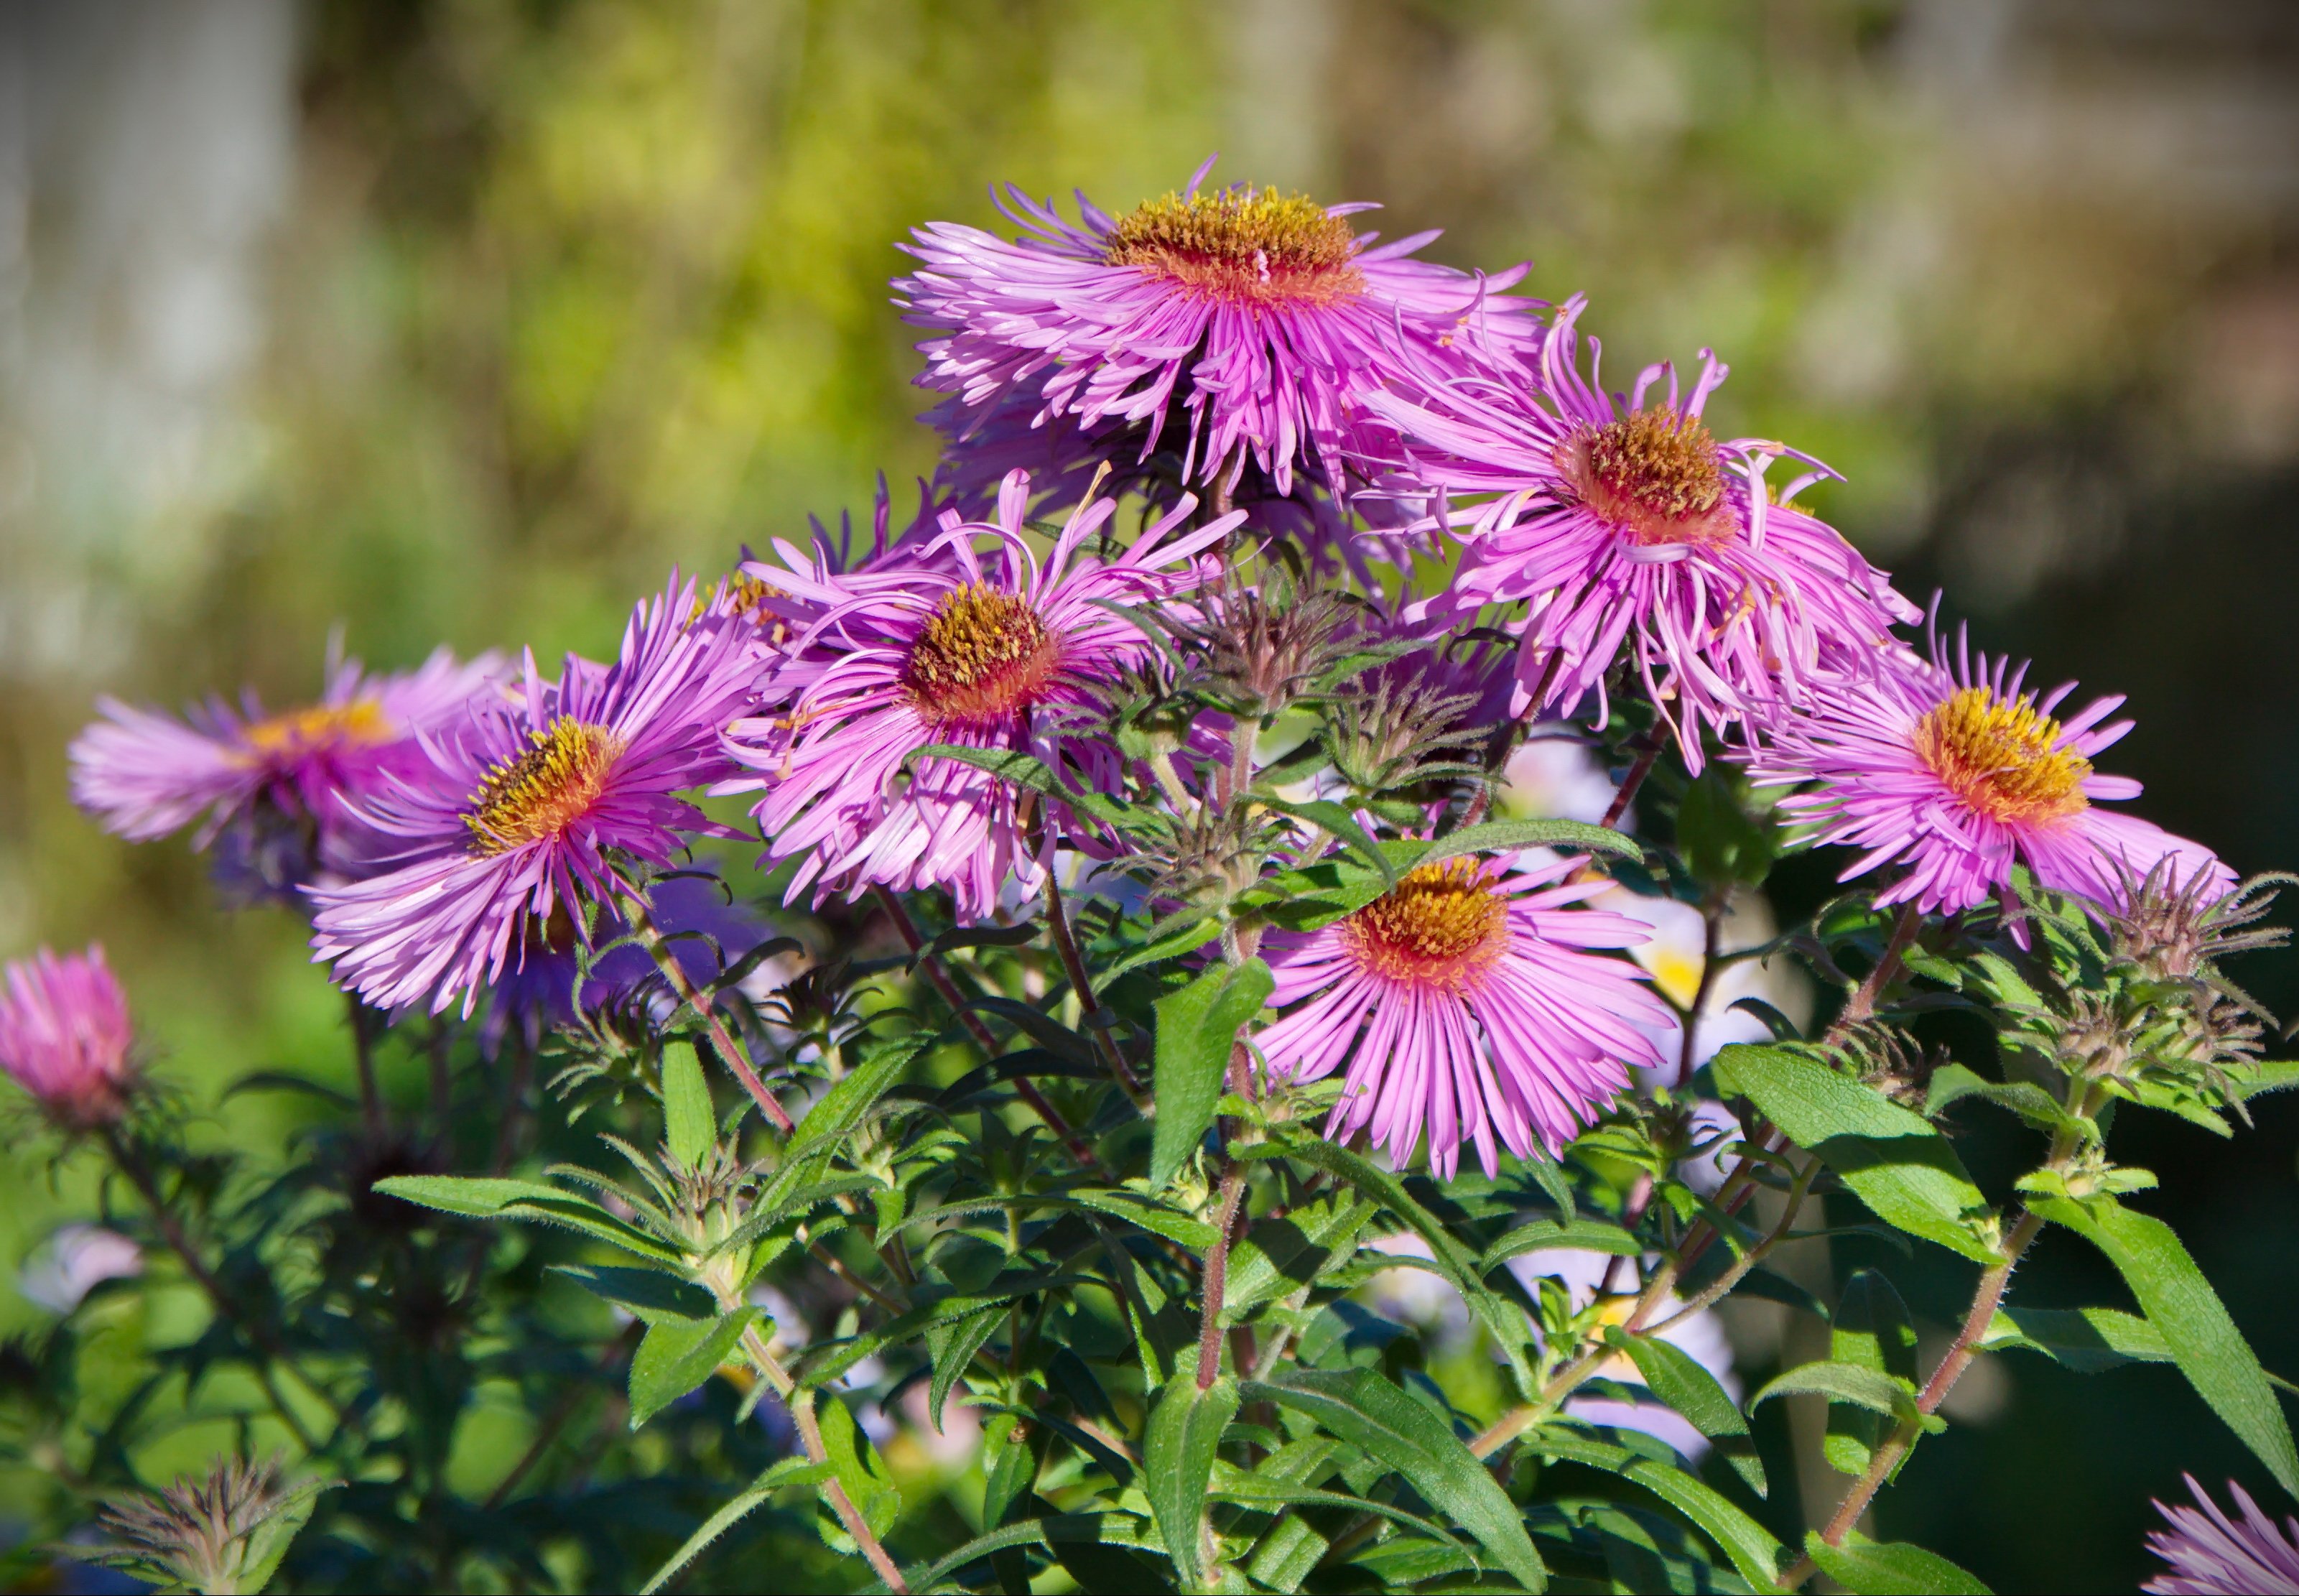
(2211, 1554)
(65, 1036)
(144, 774)
(956, 648)
(522, 805)
(1620, 524)
(1951, 770)
(1266, 317)
(1465, 1000)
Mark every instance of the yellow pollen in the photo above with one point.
(1265, 248)
(1441, 926)
(981, 654)
(2002, 759)
(1655, 474)
(541, 793)
(321, 726)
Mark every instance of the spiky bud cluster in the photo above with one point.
(220, 1532)
(1402, 731)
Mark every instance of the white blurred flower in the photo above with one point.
(961, 1428)
(1417, 1297)
(1582, 1275)
(1555, 775)
(73, 1262)
(1674, 959)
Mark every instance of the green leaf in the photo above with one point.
(1197, 1027)
(1342, 824)
(855, 1464)
(1577, 1236)
(1184, 931)
(2087, 1340)
(1152, 1216)
(780, 1476)
(1177, 1458)
(2180, 1303)
(1406, 1434)
(1281, 1255)
(1028, 1531)
(1495, 835)
(688, 1123)
(1841, 1383)
(1676, 1378)
(677, 1355)
(268, 1543)
(1952, 1083)
(1024, 770)
(1871, 1330)
(648, 1293)
(844, 1106)
(532, 1201)
(950, 1346)
(1720, 843)
(1752, 1549)
(1893, 1159)
(1868, 1568)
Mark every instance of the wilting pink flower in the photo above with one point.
(2211, 1554)
(1950, 769)
(144, 774)
(1463, 1000)
(520, 807)
(1631, 527)
(955, 649)
(1267, 318)
(64, 1035)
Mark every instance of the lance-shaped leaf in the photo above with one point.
(844, 1105)
(1678, 1379)
(689, 1126)
(677, 1355)
(2195, 1324)
(1281, 1255)
(1197, 1027)
(1893, 1159)
(2087, 1340)
(1868, 1568)
(1849, 1383)
(1177, 1460)
(645, 1293)
(1408, 1436)
(855, 1464)
(1576, 1235)
(781, 1475)
(531, 1201)
(1752, 1549)
(950, 1346)
(1871, 1330)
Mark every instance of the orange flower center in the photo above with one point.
(321, 726)
(2002, 759)
(1263, 249)
(1441, 926)
(538, 795)
(1655, 474)
(982, 654)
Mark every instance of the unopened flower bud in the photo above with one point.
(65, 1036)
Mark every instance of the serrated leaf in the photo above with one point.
(648, 1293)
(1868, 1568)
(1196, 1027)
(1675, 1376)
(676, 1355)
(1891, 1159)
(781, 1475)
(689, 1125)
(1750, 1546)
(2195, 1324)
(1177, 1458)
(1407, 1435)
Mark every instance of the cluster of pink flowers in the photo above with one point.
(452, 831)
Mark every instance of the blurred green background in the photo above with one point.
(464, 319)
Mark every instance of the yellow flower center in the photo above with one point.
(1265, 248)
(982, 654)
(1441, 926)
(1655, 474)
(539, 793)
(321, 726)
(2002, 759)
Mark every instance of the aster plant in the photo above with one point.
(927, 1068)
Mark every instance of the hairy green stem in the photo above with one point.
(800, 1405)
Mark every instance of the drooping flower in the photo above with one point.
(1951, 770)
(1588, 1275)
(1626, 525)
(1266, 317)
(282, 784)
(65, 1036)
(953, 648)
(1464, 1001)
(520, 806)
(2211, 1554)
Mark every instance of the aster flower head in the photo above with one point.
(1266, 317)
(2211, 1554)
(65, 1036)
(144, 774)
(1621, 524)
(1951, 769)
(521, 806)
(1466, 1002)
(960, 648)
